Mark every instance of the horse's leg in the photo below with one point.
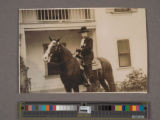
(96, 83)
(68, 88)
(102, 81)
(110, 79)
(107, 73)
(76, 88)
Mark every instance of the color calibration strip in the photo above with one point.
(87, 110)
(74, 108)
(50, 108)
(121, 108)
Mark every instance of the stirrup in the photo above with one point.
(87, 84)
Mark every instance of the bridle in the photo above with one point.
(59, 63)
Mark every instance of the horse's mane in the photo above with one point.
(65, 51)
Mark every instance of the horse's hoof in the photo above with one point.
(87, 85)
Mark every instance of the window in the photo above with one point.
(122, 10)
(124, 53)
(50, 68)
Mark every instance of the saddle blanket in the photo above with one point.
(96, 64)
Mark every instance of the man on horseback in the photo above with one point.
(70, 73)
(86, 54)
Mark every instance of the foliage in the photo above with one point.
(26, 87)
(135, 81)
(22, 65)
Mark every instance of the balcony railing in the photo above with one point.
(56, 15)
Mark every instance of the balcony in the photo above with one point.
(51, 15)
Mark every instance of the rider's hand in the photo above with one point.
(78, 50)
(78, 56)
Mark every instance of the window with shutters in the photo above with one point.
(124, 53)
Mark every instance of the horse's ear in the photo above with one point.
(50, 38)
(58, 40)
(64, 44)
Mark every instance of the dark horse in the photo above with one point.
(69, 67)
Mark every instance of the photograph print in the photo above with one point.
(98, 50)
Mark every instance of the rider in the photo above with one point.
(86, 50)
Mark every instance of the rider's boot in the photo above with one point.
(86, 80)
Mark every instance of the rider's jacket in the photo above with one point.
(87, 50)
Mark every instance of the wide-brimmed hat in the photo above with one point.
(84, 29)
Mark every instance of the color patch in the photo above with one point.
(123, 108)
(137, 107)
(133, 107)
(40, 107)
(127, 107)
(50, 108)
(29, 107)
(26, 107)
(113, 108)
(107, 108)
(141, 108)
(43, 107)
(54, 107)
(37, 107)
(130, 107)
(116, 108)
(120, 107)
(103, 107)
(33, 107)
(99, 107)
(47, 107)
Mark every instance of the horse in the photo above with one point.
(69, 68)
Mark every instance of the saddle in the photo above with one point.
(96, 64)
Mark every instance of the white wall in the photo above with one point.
(113, 27)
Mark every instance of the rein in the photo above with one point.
(61, 63)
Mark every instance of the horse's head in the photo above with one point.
(53, 51)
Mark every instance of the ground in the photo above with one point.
(62, 90)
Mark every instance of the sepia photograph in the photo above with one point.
(95, 50)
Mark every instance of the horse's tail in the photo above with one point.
(111, 82)
(108, 73)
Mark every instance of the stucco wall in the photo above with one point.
(113, 27)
